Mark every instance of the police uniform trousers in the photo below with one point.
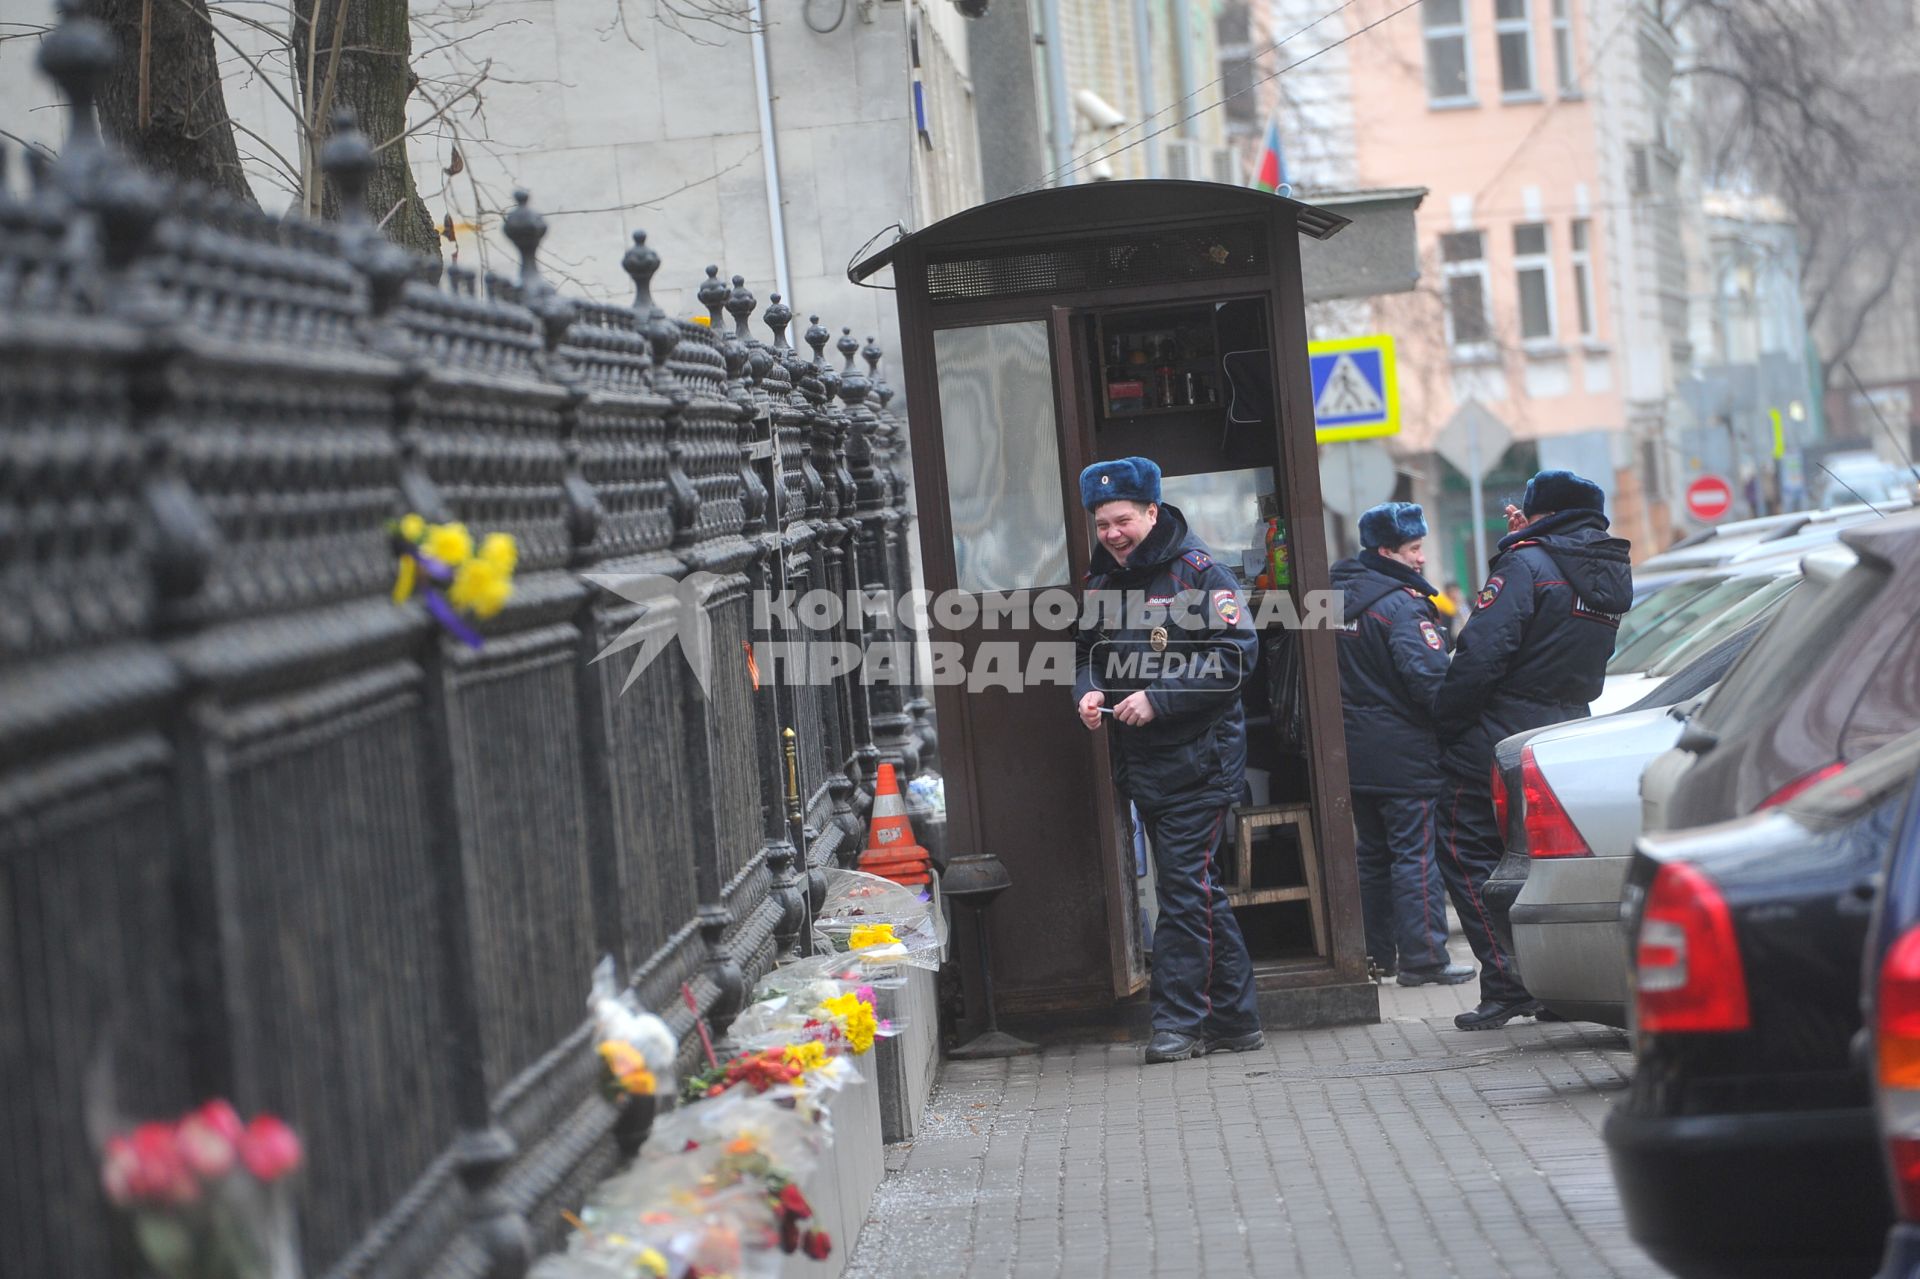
(1403, 899)
(1202, 974)
(1470, 846)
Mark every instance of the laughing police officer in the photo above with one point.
(1393, 657)
(1180, 744)
(1534, 653)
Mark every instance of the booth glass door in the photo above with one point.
(1040, 794)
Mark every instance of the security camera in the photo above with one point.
(972, 8)
(1097, 111)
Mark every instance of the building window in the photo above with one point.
(1513, 32)
(1583, 274)
(1533, 269)
(1463, 261)
(1563, 49)
(1449, 53)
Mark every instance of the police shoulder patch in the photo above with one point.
(1431, 636)
(1490, 592)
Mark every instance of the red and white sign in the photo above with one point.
(1709, 498)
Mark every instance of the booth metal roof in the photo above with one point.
(1095, 206)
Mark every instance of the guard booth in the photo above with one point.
(1041, 333)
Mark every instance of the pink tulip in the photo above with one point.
(209, 1138)
(269, 1148)
(159, 1172)
(119, 1167)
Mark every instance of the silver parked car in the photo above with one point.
(1573, 799)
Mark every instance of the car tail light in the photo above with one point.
(1500, 802)
(1801, 783)
(1897, 1064)
(1688, 975)
(1550, 832)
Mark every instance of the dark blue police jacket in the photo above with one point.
(1196, 747)
(1535, 651)
(1393, 657)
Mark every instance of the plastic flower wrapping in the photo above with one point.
(717, 1191)
(880, 921)
(931, 791)
(636, 1048)
(829, 999)
(207, 1194)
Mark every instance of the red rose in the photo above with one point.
(819, 1244)
(793, 1201)
(269, 1148)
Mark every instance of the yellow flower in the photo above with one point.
(480, 587)
(412, 526)
(868, 935)
(650, 1262)
(500, 550)
(451, 544)
(811, 1055)
(628, 1066)
(855, 1018)
(404, 583)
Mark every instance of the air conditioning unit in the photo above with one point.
(1226, 165)
(1183, 160)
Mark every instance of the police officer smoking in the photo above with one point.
(1534, 653)
(1162, 671)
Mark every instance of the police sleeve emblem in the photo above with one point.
(1431, 636)
(1227, 607)
(1490, 592)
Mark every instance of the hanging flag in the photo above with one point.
(1272, 173)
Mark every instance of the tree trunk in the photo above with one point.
(183, 132)
(373, 75)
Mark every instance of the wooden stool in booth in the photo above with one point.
(1241, 892)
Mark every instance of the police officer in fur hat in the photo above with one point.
(1534, 653)
(1160, 663)
(1393, 658)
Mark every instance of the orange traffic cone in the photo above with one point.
(892, 852)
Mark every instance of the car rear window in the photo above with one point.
(1685, 648)
(1660, 605)
(1889, 705)
(1860, 785)
(1794, 644)
(1638, 655)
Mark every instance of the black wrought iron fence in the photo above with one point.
(265, 833)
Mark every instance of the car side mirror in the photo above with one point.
(1697, 741)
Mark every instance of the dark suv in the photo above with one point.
(1834, 677)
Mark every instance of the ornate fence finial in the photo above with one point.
(525, 228)
(740, 304)
(347, 160)
(872, 354)
(854, 385)
(713, 294)
(640, 262)
(77, 55)
(816, 337)
(779, 315)
(848, 346)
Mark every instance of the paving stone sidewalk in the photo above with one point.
(1406, 1148)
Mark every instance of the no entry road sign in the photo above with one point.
(1709, 498)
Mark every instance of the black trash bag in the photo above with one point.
(1286, 689)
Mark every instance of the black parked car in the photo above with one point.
(1892, 983)
(1745, 1144)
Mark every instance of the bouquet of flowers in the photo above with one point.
(879, 921)
(207, 1194)
(636, 1048)
(454, 578)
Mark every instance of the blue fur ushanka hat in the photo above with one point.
(1127, 479)
(1391, 524)
(1552, 491)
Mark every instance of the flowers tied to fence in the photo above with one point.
(206, 1194)
(454, 579)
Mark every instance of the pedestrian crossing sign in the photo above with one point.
(1356, 391)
